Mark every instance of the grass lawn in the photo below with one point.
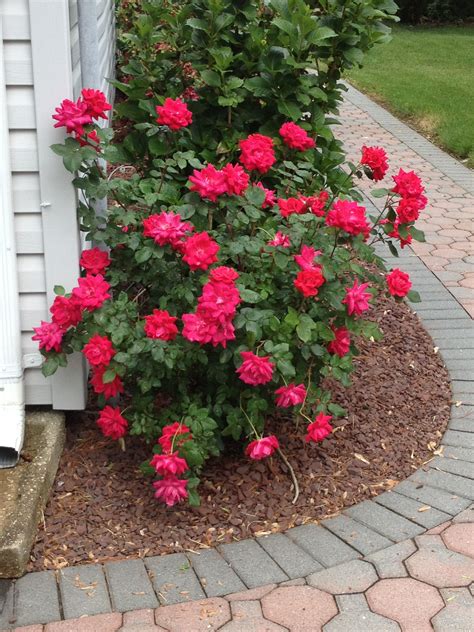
(426, 76)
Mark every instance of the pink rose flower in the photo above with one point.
(348, 216)
(174, 113)
(169, 464)
(92, 292)
(236, 179)
(270, 196)
(96, 103)
(407, 184)
(357, 299)
(376, 159)
(305, 259)
(290, 395)
(257, 153)
(280, 240)
(319, 429)
(174, 436)
(112, 423)
(166, 228)
(398, 282)
(223, 274)
(170, 490)
(161, 325)
(49, 336)
(73, 116)
(255, 369)
(99, 351)
(341, 343)
(66, 312)
(209, 182)
(262, 448)
(199, 251)
(296, 137)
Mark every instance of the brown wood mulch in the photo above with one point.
(102, 507)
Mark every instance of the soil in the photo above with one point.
(103, 508)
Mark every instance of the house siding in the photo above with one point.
(26, 178)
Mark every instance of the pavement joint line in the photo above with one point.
(447, 338)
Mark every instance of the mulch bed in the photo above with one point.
(102, 507)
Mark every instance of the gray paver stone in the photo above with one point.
(465, 424)
(444, 480)
(37, 599)
(465, 516)
(461, 468)
(215, 574)
(321, 544)
(251, 563)
(458, 614)
(293, 560)
(83, 591)
(462, 454)
(422, 514)
(389, 561)
(446, 501)
(459, 439)
(352, 577)
(384, 521)
(129, 585)
(355, 616)
(5, 585)
(357, 535)
(6, 612)
(463, 387)
(173, 578)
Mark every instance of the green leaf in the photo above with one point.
(249, 296)
(59, 290)
(255, 195)
(392, 248)
(414, 297)
(379, 193)
(50, 366)
(143, 254)
(211, 78)
(109, 376)
(417, 234)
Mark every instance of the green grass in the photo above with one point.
(426, 76)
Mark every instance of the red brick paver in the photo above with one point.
(407, 601)
(103, 622)
(202, 615)
(299, 608)
(460, 538)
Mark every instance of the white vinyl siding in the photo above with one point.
(35, 230)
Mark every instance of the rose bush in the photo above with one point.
(203, 317)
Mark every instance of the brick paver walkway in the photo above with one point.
(401, 561)
(448, 220)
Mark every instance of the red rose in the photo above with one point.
(398, 282)
(262, 448)
(200, 251)
(160, 325)
(348, 216)
(308, 281)
(341, 343)
(66, 312)
(376, 159)
(291, 206)
(257, 153)
(108, 389)
(174, 113)
(112, 423)
(319, 429)
(99, 351)
(255, 369)
(96, 103)
(296, 137)
(95, 261)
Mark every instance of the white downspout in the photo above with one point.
(12, 399)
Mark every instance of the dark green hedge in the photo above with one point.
(416, 11)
